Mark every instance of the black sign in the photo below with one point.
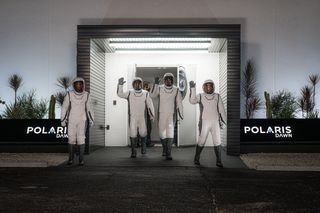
(280, 130)
(32, 130)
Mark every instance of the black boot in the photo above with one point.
(168, 146)
(71, 153)
(143, 145)
(133, 147)
(197, 155)
(81, 154)
(217, 150)
(164, 146)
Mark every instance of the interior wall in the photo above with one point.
(120, 65)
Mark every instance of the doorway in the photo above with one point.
(225, 40)
(148, 74)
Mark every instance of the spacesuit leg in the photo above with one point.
(164, 146)
(217, 150)
(203, 133)
(169, 142)
(169, 135)
(81, 137)
(81, 155)
(133, 147)
(201, 141)
(143, 145)
(149, 129)
(163, 133)
(133, 135)
(197, 155)
(215, 132)
(143, 133)
(71, 153)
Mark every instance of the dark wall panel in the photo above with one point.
(223, 70)
(97, 91)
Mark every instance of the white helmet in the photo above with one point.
(168, 76)
(208, 81)
(137, 79)
(78, 79)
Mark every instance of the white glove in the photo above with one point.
(91, 124)
(121, 81)
(64, 123)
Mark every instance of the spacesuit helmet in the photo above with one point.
(168, 79)
(208, 86)
(137, 83)
(78, 85)
(147, 86)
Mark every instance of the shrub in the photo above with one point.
(283, 105)
(26, 107)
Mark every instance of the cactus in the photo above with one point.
(268, 107)
(52, 107)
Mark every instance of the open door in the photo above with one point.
(185, 131)
(187, 128)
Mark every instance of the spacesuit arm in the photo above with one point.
(193, 98)
(222, 111)
(154, 91)
(65, 108)
(150, 107)
(120, 92)
(90, 113)
(179, 104)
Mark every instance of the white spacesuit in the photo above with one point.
(76, 113)
(211, 111)
(170, 102)
(139, 103)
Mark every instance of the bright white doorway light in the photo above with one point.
(159, 44)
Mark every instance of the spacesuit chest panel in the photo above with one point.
(209, 103)
(167, 99)
(137, 102)
(78, 103)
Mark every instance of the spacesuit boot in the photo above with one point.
(169, 145)
(81, 154)
(164, 146)
(133, 147)
(143, 145)
(217, 150)
(71, 153)
(197, 155)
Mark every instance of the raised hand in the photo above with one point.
(156, 80)
(192, 84)
(121, 81)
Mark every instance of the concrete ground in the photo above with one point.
(282, 161)
(112, 182)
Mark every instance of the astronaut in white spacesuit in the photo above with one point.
(170, 102)
(139, 103)
(212, 116)
(76, 114)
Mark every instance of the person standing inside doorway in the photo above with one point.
(76, 114)
(139, 102)
(212, 117)
(147, 87)
(170, 104)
